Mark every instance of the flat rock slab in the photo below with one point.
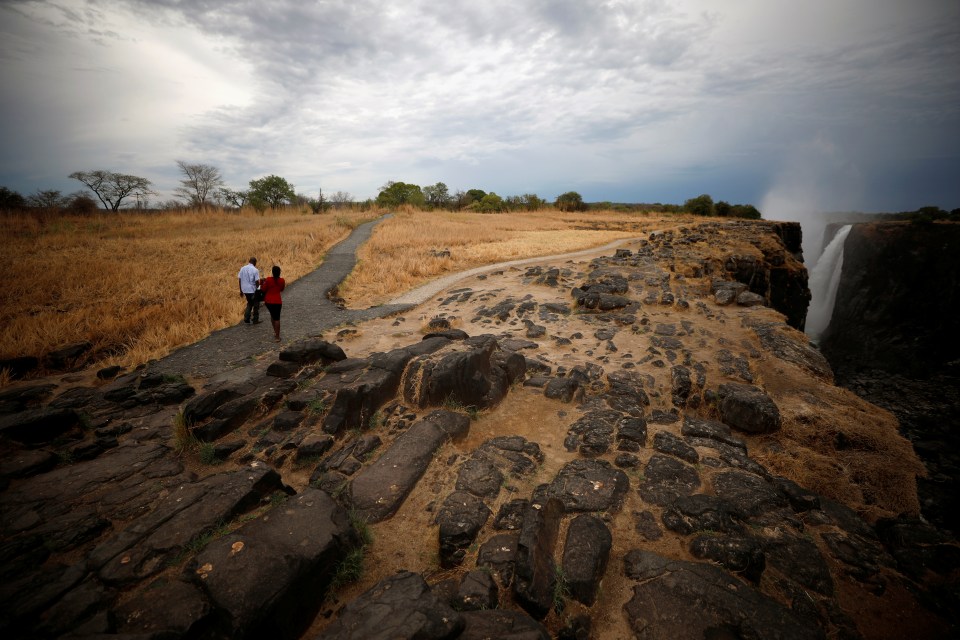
(268, 578)
(143, 548)
(501, 624)
(379, 490)
(590, 485)
(401, 606)
(678, 599)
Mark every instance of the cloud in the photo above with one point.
(641, 98)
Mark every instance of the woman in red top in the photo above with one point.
(271, 288)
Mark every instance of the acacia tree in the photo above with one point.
(199, 182)
(113, 188)
(271, 191)
(234, 198)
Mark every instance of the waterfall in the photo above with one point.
(824, 281)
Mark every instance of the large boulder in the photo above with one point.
(269, 576)
(748, 408)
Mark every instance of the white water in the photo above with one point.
(824, 281)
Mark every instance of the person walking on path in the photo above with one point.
(249, 277)
(271, 288)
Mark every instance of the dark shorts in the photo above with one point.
(274, 310)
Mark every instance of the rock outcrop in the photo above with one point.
(599, 449)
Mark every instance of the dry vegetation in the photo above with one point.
(399, 256)
(138, 285)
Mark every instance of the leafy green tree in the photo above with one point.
(490, 203)
(10, 199)
(745, 211)
(722, 208)
(200, 181)
(394, 194)
(113, 188)
(570, 201)
(474, 195)
(271, 191)
(437, 195)
(702, 205)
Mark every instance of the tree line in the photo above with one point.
(203, 185)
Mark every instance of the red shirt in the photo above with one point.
(271, 288)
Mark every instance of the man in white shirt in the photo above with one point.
(249, 281)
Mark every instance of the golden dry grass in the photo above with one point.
(398, 257)
(138, 285)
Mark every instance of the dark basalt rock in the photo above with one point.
(699, 512)
(19, 399)
(667, 591)
(747, 494)
(535, 571)
(631, 434)
(477, 591)
(470, 373)
(666, 442)
(479, 476)
(799, 559)
(134, 554)
(510, 515)
(590, 485)
(739, 554)
(585, 555)
(401, 606)
(665, 479)
(563, 389)
(712, 430)
(748, 408)
(501, 624)
(313, 350)
(461, 517)
(499, 554)
(38, 426)
(592, 434)
(171, 608)
(282, 561)
(379, 490)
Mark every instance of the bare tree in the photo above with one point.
(199, 182)
(47, 199)
(113, 188)
(341, 199)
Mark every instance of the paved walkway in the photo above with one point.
(306, 312)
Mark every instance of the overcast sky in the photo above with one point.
(790, 105)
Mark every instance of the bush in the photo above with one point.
(570, 201)
(702, 205)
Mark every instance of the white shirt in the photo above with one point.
(249, 275)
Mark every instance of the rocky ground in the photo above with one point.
(634, 445)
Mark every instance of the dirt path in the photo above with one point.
(308, 312)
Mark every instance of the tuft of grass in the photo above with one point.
(207, 453)
(376, 420)
(316, 407)
(183, 440)
(452, 404)
(350, 568)
(561, 589)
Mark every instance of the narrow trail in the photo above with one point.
(308, 312)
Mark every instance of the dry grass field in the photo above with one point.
(138, 285)
(400, 256)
